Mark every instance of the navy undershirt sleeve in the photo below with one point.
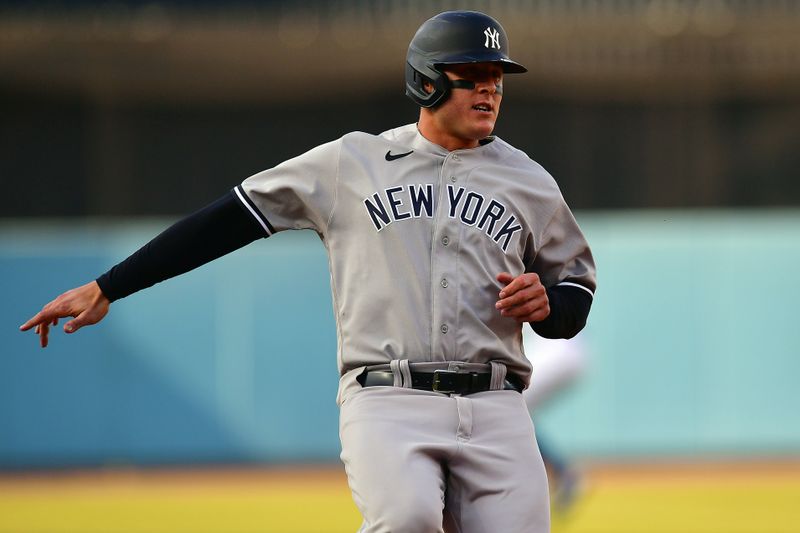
(211, 232)
(569, 309)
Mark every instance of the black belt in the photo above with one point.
(443, 381)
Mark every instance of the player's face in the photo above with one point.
(468, 115)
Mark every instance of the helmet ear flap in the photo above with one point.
(415, 87)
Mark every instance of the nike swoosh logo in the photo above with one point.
(391, 157)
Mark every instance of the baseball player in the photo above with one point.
(442, 242)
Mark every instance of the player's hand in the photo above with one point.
(86, 304)
(523, 298)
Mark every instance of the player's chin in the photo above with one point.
(483, 125)
(482, 129)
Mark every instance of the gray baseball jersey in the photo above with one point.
(415, 236)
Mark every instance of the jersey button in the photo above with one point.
(445, 240)
(444, 328)
(444, 283)
(456, 157)
(453, 179)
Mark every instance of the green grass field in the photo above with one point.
(732, 498)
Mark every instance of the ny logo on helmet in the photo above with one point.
(492, 38)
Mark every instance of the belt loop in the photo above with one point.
(498, 376)
(405, 370)
(394, 364)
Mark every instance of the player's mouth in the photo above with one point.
(483, 107)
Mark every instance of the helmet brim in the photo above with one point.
(509, 66)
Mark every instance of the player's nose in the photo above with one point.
(487, 86)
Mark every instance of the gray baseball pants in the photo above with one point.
(419, 461)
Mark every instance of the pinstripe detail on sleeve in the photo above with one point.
(250, 206)
(570, 284)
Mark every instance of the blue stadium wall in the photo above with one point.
(693, 341)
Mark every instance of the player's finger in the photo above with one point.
(44, 332)
(527, 298)
(76, 323)
(86, 318)
(505, 278)
(72, 326)
(522, 296)
(519, 283)
(51, 311)
(33, 321)
(524, 300)
(531, 311)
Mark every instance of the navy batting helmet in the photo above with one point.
(451, 38)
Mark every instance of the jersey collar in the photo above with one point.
(421, 144)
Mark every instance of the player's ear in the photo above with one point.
(427, 86)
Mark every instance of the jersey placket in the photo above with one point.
(444, 261)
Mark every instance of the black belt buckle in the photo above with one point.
(437, 381)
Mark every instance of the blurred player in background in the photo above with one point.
(557, 365)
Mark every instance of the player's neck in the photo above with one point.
(445, 139)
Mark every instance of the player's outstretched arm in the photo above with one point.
(217, 229)
(86, 304)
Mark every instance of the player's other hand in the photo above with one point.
(523, 297)
(86, 304)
